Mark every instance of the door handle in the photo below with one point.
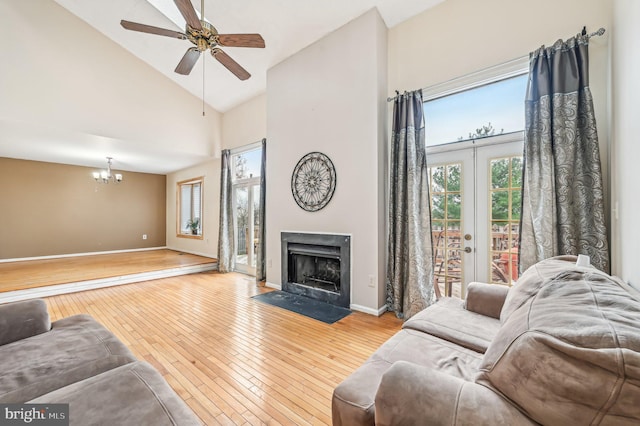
(467, 249)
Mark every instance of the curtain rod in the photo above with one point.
(584, 33)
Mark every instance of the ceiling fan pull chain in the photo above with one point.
(204, 60)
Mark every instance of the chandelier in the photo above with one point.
(104, 176)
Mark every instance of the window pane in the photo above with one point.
(453, 177)
(196, 214)
(190, 208)
(247, 164)
(437, 206)
(500, 205)
(516, 170)
(185, 207)
(242, 225)
(437, 179)
(500, 173)
(453, 206)
(487, 110)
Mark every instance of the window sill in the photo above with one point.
(190, 236)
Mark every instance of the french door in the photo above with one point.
(246, 201)
(475, 210)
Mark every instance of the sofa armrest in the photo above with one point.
(486, 299)
(410, 394)
(20, 320)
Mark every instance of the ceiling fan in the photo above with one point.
(205, 37)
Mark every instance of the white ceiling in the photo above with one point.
(286, 25)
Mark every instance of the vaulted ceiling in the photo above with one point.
(286, 25)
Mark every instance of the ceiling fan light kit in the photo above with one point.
(204, 36)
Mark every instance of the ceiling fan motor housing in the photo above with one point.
(203, 39)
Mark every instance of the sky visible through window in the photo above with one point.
(455, 116)
(247, 164)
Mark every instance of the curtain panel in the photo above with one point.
(563, 197)
(410, 253)
(226, 239)
(261, 272)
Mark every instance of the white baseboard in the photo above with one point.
(91, 253)
(272, 285)
(33, 293)
(370, 311)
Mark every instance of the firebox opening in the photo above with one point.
(315, 271)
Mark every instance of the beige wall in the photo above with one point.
(208, 245)
(626, 149)
(54, 209)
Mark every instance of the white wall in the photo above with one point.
(208, 245)
(245, 124)
(458, 37)
(329, 98)
(626, 131)
(61, 74)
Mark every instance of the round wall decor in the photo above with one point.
(313, 181)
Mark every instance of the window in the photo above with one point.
(190, 208)
(488, 110)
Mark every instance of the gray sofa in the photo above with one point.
(560, 347)
(77, 361)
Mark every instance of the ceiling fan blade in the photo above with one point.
(134, 26)
(189, 13)
(230, 64)
(241, 40)
(188, 61)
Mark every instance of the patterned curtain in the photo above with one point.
(261, 273)
(562, 198)
(410, 258)
(226, 245)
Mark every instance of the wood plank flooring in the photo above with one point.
(234, 360)
(40, 273)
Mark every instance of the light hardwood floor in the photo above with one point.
(232, 359)
(46, 272)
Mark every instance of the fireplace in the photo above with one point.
(317, 266)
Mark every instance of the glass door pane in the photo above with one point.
(241, 200)
(451, 191)
(499, 198)
(255, 232)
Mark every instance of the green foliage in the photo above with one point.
(445, 187)
(193, 224)
(482, 132)
(506, 180)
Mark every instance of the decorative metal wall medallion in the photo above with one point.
(313, 181)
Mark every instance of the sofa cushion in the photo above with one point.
(133, 394)
(20, 320)
(532, 280)
(449, 320)
(353, 399)
(77, 347)
(570, 354)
